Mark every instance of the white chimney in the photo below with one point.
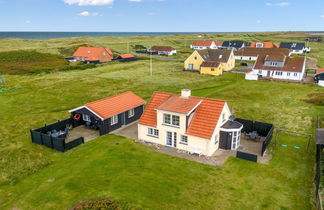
(185, 93)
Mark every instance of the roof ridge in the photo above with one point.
(109, 97)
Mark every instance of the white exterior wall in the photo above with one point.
(205, 146)
(246, 58)
(285, 75)
(173, 52)
(321, 83)
(251, 76)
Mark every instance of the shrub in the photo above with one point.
(316, 98)
(98, 204)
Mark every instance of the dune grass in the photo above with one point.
(132, 173)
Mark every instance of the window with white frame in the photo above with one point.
(170, 119)
(260, 71)
(216, 139)
(223, 117)
(131, 113)
(288, 74)
(114, 120)
(295, 74)
(184, 139)
(153, 132)
(86, 118)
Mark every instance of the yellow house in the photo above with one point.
(212, 68)
(204, 58)
(192, 124)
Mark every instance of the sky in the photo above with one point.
(161, 15)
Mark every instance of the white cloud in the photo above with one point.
(28, 21)
(283, 4)
(258, 21)
(321, 16)
(135, 0)
(151, 13)
(279, 4)
(87, 13)
(89, 2)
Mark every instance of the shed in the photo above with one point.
(126, 57)
(110, 113)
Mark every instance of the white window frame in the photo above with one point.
(131, 113)
(295, 74)
(86, 118)
(171, 123)
(114, 120)
(184, 139)
(223, 117)
(153, 132)
(216, 139)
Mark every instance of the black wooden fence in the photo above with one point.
(263, 129)
(39, 136)
(247, 156)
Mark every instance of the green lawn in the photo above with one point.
(133, 173)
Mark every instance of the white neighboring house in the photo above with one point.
(251, 54)
(279, 67)
(163, 50)
(295, 47)
(193, 124)
(205, 44)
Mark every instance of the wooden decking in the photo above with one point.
(82, 131)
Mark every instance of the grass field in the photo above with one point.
(133, 173)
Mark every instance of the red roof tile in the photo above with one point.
(126, 56)
(206, 43)
(205, 117)
(265, 45)
(178, 104)
(320, 70)
(149, 116)
(292, 64)
(110, 106)
(94, 53)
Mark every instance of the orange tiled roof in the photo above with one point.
(204, 119)
(94, 53)
(126, 55)
(320, 70)
(110, 106)
(206, 43)
(265, 45)
(178, 104)
(149, 116)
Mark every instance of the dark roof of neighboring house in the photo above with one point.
(162, 48)
(261, 51)
(215, 55)
(235, 44)
(210, 64)
(206, 43)
(320, 136)
(113, 105)
(275, 57)
(204, 120)
(291, 64)
(292, 45)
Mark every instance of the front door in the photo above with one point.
(171, 139)
(123, 119)
(268, 73)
